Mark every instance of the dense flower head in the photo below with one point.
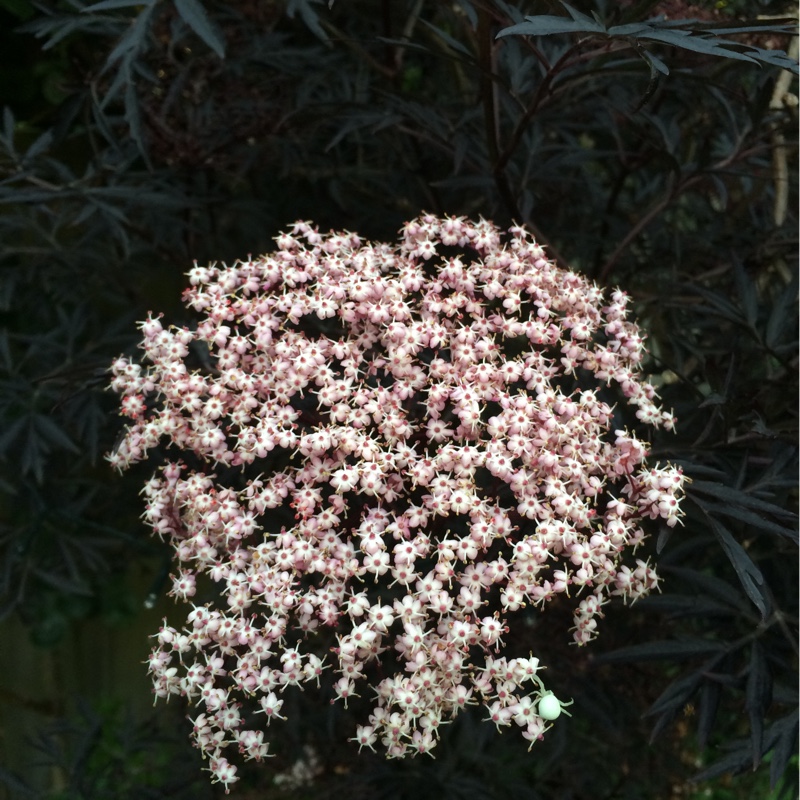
(404, 445)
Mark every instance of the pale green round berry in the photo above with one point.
(549, 707)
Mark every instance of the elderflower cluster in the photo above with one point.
(400, 445)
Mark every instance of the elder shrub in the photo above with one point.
(438, 417)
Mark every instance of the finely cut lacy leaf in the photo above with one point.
(697, 38)
(749, 574)
(195, 16)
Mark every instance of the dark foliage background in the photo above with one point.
(650, 145)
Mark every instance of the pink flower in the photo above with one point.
(410, 413)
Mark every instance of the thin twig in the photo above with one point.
(780, 153)
(543, 89)
(487, 93)
(673, 191)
